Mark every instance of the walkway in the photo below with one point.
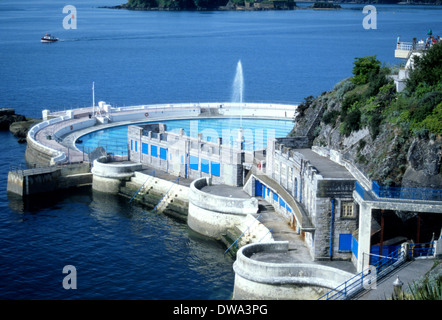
(298, 251)
(164, 175)
(47, 137)
(408, 272)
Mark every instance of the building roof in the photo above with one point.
(326, 167)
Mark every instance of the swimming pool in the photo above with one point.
(256, 132)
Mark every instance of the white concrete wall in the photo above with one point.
(257, 279)
(213, 215)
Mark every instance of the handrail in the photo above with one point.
(270, 231)
(155, 208)
(153, 175)
(406, 192)
(257, 219)
(421, 249)
(356, 283)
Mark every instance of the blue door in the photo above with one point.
(258, 188)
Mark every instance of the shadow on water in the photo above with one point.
(38, 202)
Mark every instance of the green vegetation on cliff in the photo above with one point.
(394, 137)
(372, 98)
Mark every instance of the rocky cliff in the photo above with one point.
(392, 155)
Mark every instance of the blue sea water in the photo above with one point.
(122, 251)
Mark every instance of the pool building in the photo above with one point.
(324, 199)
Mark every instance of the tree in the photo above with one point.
(364, 68)
(427, 69)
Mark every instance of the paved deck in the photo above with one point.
(42, 136)
(408, 273)
(298, 251)
(164, 175)
(326, 167)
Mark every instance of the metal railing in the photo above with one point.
(407, 193)
(164, 196)
(421, 249)
(153, 175)
(365, 278)
(408, 46)
(236, 241)
(382, 267)
(400, 192)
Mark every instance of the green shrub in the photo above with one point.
(433, 122)
(364, 68)
(427, 69)
(351, 122)
(305, 105)
(349, 101)
(330, 117)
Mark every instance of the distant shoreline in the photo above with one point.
(333, 6)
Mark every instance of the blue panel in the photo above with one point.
(215, 168)
(163, 153)
(354, 246)
(154, 151)
(345, 242)
(136, 146)
(193, 162)
(275, 196)
(258, 188)
(145, 148)
(281, 202)
(204, 165)
(131, 144)
(289, 209)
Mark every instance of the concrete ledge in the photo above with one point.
(103, 167)
(215, 203)
(109, 176)
(253, 276)
(212, 215)
(209, 223)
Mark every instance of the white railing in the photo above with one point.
(161, 111)
(408, 46)
(56, 155)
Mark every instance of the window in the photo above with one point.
(215, 168)
(163, 153)
(283, 174)
(193, 162)
(145, 148)
(154, 151)
(347, 209)
(204, 165)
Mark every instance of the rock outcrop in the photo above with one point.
(17, 124)
(393, 157)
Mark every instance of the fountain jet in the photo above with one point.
(238, 88)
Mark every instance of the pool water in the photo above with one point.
(256, 133)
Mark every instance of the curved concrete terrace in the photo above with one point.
(212, 212)
(56, 137)
(269, 271)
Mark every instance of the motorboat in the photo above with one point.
(48, 38)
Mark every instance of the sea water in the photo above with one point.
(121, 250)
